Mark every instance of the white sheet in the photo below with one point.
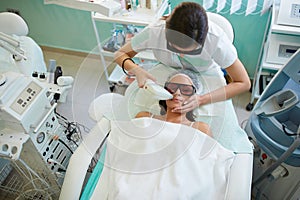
(151, 159)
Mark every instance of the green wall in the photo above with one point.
(66, 28)
(57, 26)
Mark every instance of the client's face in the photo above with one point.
(181, 86)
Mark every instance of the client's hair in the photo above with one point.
(189, 115)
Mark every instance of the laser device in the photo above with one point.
(33, 138)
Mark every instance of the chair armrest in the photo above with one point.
(240, 178)
(104, 105)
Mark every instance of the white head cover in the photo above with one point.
(190, 76)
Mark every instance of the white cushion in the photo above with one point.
(11, 23)
(103, 106)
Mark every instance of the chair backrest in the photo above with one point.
(11, 23)
(223, 23)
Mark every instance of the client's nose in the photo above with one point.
(177, 92)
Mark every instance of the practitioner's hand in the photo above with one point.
(141, 76)
(190, 104)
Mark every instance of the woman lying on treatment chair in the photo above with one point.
(155, 158)
(182, 85)
(167, 156)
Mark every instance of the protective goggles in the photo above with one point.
(187, 90)
(196, 51)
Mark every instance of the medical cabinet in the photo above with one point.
(282, 40)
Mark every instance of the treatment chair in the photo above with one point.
(115, 107)
(18, 52)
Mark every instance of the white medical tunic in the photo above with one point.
(218, 50)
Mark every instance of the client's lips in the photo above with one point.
(176, 100)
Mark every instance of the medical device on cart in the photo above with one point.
(35, 140)
(274, 126)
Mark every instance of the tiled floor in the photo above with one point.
(90, 82)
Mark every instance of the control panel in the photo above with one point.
(282, 47)
(25, 98)
(295, 11)
(289, 13)
(286, 51)
(55, 143)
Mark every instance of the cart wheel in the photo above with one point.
(249, 107)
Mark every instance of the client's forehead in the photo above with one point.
(181, 78)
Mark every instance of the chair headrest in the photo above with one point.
(11, 23)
